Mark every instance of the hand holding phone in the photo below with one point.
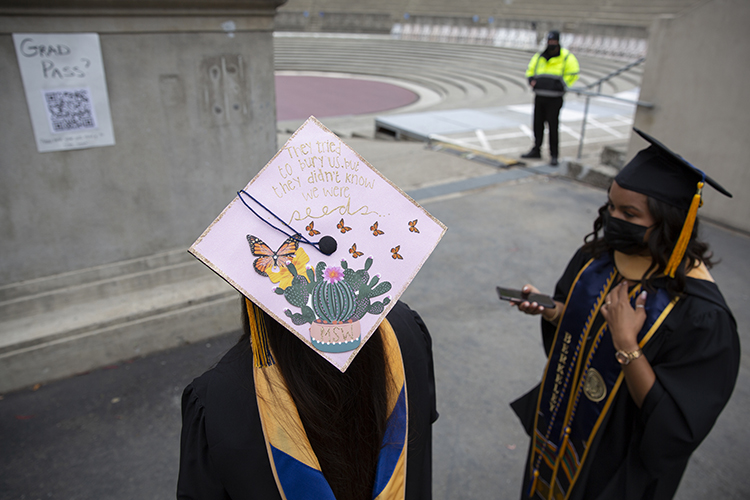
(518, 296)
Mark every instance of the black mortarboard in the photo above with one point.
(664, 175)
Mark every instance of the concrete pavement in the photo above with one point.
(114, 433)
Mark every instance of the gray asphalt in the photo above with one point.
(114, 433)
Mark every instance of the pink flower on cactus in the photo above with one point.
(333, 274)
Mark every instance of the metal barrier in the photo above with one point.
(598, 93)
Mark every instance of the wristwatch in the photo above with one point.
(624, 358)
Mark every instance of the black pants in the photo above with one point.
(547, 110)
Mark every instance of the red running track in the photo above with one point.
(298, 97)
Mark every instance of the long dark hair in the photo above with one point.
(668, 222)
(344, 414)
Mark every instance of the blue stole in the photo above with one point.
(581, 379)
(294, 464)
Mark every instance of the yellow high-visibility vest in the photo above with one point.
(563, 68)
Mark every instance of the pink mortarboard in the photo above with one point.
(321, 241)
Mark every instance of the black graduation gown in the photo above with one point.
(641, 454)
(223, 454)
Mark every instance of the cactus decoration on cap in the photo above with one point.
(333, 299)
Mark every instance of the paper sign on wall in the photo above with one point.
(63, 76)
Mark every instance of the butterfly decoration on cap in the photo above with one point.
(375, 230)
(395, 254)
(268, 258)
(310, 228)
(343, 227)
(413, 226)
(354, 252)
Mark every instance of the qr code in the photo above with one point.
(70, 109)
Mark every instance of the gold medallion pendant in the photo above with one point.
(594, 387)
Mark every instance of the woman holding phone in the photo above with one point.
(643, 351)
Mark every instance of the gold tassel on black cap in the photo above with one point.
(664, 175)
(258, 336)
(687, 230)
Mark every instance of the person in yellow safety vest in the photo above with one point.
(550, 73)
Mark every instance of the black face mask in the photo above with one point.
(624, 236)
(552, 50)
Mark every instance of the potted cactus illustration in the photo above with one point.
(333, 299)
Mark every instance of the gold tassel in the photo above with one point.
(560, 453)
(687, 230)
(533, 483)
(258, 336)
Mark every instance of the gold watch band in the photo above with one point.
(624, 358)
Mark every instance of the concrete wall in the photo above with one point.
(696, 73)
(187, 135)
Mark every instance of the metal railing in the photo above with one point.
(598, 93)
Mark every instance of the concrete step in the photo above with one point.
(56, 296)
(65, 280)
(466, 76)
(68, 324)
(596, 174)
(614, 155)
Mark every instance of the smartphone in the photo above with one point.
(518, 296)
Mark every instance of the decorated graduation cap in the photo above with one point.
(321, 242)
(664, 175)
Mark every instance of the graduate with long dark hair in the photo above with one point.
(329, 394)
(643, 351)
(343, 416)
